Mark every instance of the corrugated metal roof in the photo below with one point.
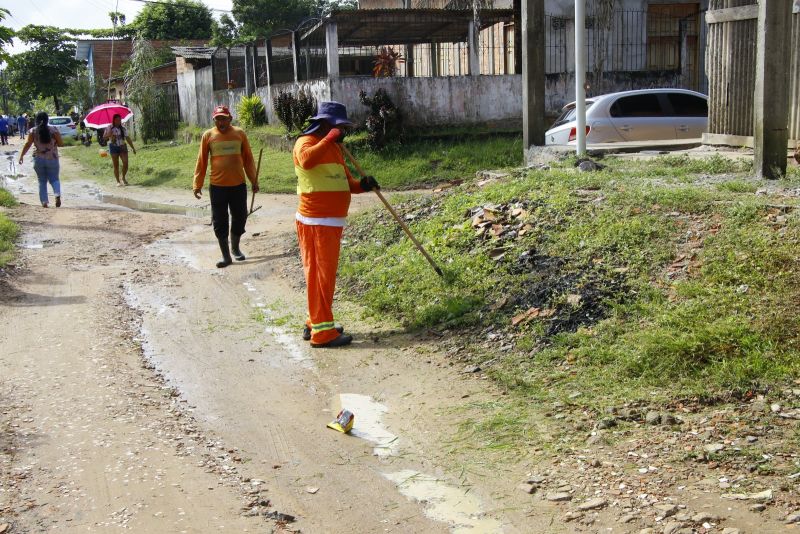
(193, 52)
(368, 27)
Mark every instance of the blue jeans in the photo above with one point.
(47, 171)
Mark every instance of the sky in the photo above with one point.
(88, 14)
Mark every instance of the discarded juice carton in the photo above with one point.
(344, 422)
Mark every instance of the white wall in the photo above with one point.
(440, 100)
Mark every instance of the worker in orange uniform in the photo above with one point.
(229, 151)
(324, 185)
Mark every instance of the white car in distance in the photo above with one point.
(64, 125)
(631, 116)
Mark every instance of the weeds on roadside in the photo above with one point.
(8, 234)
(7, 199)
(650, 290)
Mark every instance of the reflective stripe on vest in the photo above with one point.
(323, 177)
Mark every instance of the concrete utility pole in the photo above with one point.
(580, 77)
(771, 113)
(533, 126)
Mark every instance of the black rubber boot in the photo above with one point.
(226, 254)
(235, 247)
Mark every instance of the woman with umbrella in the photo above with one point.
(117, 137)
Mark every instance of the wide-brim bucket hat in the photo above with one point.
(334, 113)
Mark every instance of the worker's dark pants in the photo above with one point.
(222, 199)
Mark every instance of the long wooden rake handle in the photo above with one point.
(397, 218)
(258, 170)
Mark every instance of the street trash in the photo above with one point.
(344, 422)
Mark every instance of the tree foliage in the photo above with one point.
(259, 18)
(82, 93)
(225, 32)
(45, 69)
(174, 20)
(6, 34)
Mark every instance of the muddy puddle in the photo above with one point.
(443, 501)
(293, 352)
(446, 503)
(152, 207)
(368, 424)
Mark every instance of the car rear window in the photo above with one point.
(57, 121)
(569, 115)
(684, 105)
(646, 105)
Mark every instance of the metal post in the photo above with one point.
(473, 38)
(580, 76)
(295, 56)
(533, 51)
(268, 60)
(771, 113)
(332, 49)
(248, 68)
(227, 67)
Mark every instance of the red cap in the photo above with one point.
(221, 110)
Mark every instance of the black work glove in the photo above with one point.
(368, 183)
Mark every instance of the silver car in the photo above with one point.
(64, 125)
(644, 115)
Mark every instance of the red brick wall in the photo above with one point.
(101, 53)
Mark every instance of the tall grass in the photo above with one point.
(412, 164)
(653, 289)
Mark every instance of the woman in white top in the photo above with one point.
(117, 137)
(46, 141)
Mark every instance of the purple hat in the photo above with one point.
(332, 112)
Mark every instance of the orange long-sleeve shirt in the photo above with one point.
(230, 156)
(324, 183)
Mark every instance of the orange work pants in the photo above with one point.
(319, 250)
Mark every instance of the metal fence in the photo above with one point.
(163, 113)
(629, 41)
(731, 59)
(655, 41)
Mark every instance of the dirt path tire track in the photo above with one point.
(95, 443)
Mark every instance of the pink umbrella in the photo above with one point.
(101, 116)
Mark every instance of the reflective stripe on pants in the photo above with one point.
(319, 250)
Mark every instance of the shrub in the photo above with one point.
(251, 111)
(384, 123)
(7, 199)
(305, 106)
(294, 111)
(386, 62)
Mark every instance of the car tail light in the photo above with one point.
(573, 133)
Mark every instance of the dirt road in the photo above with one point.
(145, 390)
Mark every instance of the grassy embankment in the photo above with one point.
(423, 160)
(8, 230)
(647, 281)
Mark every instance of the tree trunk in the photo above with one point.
(57, 105)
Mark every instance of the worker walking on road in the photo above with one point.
(228, 150)
(324, 185)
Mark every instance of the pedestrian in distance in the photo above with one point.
(3, 130)
(227, 148)
(46, 141)
(22, 125)
(324, 185)
(117, 137)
